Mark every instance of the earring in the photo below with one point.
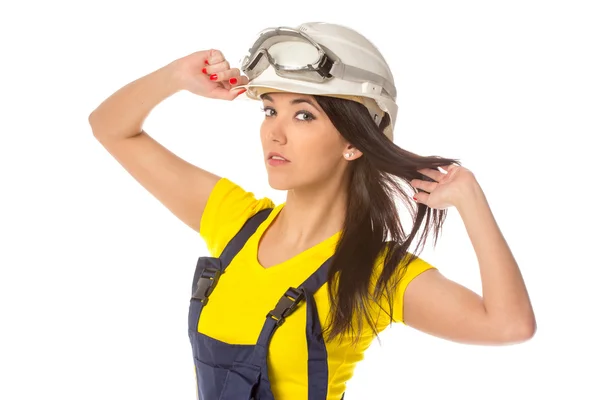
(348, 155)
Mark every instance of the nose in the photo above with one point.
(276, 131)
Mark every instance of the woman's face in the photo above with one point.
(296, 129)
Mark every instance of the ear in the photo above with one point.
(351, 153)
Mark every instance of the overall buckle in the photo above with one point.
(286, 305)
(206, 283)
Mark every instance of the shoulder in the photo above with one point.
(406, 269)
(228, 207)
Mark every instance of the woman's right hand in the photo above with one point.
(207, 73)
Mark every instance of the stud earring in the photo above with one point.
(348, 155)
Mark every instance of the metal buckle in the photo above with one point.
(206, 283)
(286, 305)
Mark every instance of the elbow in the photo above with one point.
(97, 127)
(520, 332)
(92, 122)
(91, 117)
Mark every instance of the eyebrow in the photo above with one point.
(294, 101)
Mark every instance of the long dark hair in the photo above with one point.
(372, 225)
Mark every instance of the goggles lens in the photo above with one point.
(294, 54)
(291, 54)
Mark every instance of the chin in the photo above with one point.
(280, 183)
(280, 179)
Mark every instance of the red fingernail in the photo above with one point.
(414, 198)
(204, 70)
(213, 77)
(206, 62)
(233, 81)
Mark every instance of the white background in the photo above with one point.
(95, 273)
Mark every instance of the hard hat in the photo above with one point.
(319, 58)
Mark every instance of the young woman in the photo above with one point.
(299, 290)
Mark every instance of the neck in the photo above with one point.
(312, 214)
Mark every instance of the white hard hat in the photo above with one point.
(325, 59)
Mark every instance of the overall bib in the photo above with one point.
(239, 372)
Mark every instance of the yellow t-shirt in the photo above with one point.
(245, 294)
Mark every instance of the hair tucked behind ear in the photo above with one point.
(372, 225)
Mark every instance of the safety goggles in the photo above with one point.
(295, 55)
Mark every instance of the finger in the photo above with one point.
(421, 197)
(224, 76)
(423, 185)
(236, 93)
(214, 57)
(231, 94)
(238, 80)
(228, 94)
(434, 174)
(210, 69)
(450, 167)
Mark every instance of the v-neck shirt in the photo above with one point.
(248, 291)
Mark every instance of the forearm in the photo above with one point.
(123, 113)
(505, 295)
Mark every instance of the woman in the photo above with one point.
(299, 290)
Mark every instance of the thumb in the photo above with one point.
(222, 93)
(235, 92)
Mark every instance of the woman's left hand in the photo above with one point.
(448, 189)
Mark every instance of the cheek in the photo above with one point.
(320, 154)
(263, 132)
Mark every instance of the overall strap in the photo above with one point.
(318, 371)
(209, 269)
(240, 239)
(318, 278)
(291, 300)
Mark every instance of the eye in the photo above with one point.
(269, 112)
(306, 116)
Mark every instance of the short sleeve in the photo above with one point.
(414, 269)
(399, 283)
(228, 207)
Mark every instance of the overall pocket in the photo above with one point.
(210, 380)
(241, 382)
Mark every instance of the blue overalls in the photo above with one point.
(239, 372)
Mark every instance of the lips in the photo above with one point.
(276, 156)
